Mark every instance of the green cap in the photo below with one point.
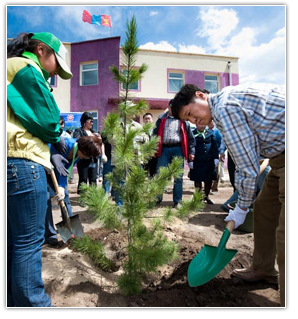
(59, 49)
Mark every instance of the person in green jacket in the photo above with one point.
(32, 123)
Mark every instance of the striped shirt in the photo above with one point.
(172, 131)
(252, 122)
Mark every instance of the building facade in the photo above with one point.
(93, 89)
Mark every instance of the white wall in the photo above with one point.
(154, 83)
(62, 92)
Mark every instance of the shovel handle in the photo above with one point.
(54, 179)
(230, 225)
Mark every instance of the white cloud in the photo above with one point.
(191, 49)
(217, 25)
(264, 62)
(160, 46)
(258, 63)
(153, 13)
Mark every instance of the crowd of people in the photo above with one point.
(248, 123)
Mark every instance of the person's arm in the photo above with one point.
(244, 149)
(191, 142)
(34, 105)
(77, 133)
(222, 150)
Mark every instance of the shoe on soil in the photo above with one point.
(177, 205)
(224, 208)
(251, 275)
(208, 200)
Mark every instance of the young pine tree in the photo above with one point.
(147, 248)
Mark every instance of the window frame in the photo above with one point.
(82, 71)
(177, 71)
(218, 81)
(55, 77)
(139, 82)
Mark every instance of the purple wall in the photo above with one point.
(198, 78)
(94, 97)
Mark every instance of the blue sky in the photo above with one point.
(256, 34)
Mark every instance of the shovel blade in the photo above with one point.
(74, 231)
(207, 264)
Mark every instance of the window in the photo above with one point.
(95, 120)
(211, 83)
(89, 73)
(176, 81)
(53, 80)
(132, 86)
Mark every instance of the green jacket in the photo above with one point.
(32, 113)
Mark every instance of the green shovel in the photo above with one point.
(211, 260)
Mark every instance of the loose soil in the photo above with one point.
(72, 280)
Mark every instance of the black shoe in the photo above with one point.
(158, 203)
(51, 241)
(208, 200)
(224, 208)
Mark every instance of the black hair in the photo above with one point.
(23, 42)
(184, 97)
(62, 121)
(86, 116)
(147, 114)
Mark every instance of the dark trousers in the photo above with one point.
(231, 170)
(87, 172)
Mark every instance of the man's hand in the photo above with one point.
(58, 160)
(237, 215)
(191, 157)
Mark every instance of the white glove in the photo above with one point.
(216, 161)
(104, 158)
(237, 215)
(60, 196)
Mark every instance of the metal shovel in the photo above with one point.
(211, 260)
(69, 227)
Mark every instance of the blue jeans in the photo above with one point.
(107, 168)
(99, 167)
(260, 182)
(166, 157)
(26, 211)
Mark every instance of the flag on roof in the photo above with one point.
(103, 20)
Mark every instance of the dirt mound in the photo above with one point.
(72, 280)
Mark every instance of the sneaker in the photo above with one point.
(213, 192)
(252, 275)
(177, 205)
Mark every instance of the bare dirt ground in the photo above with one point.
(72, 280)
